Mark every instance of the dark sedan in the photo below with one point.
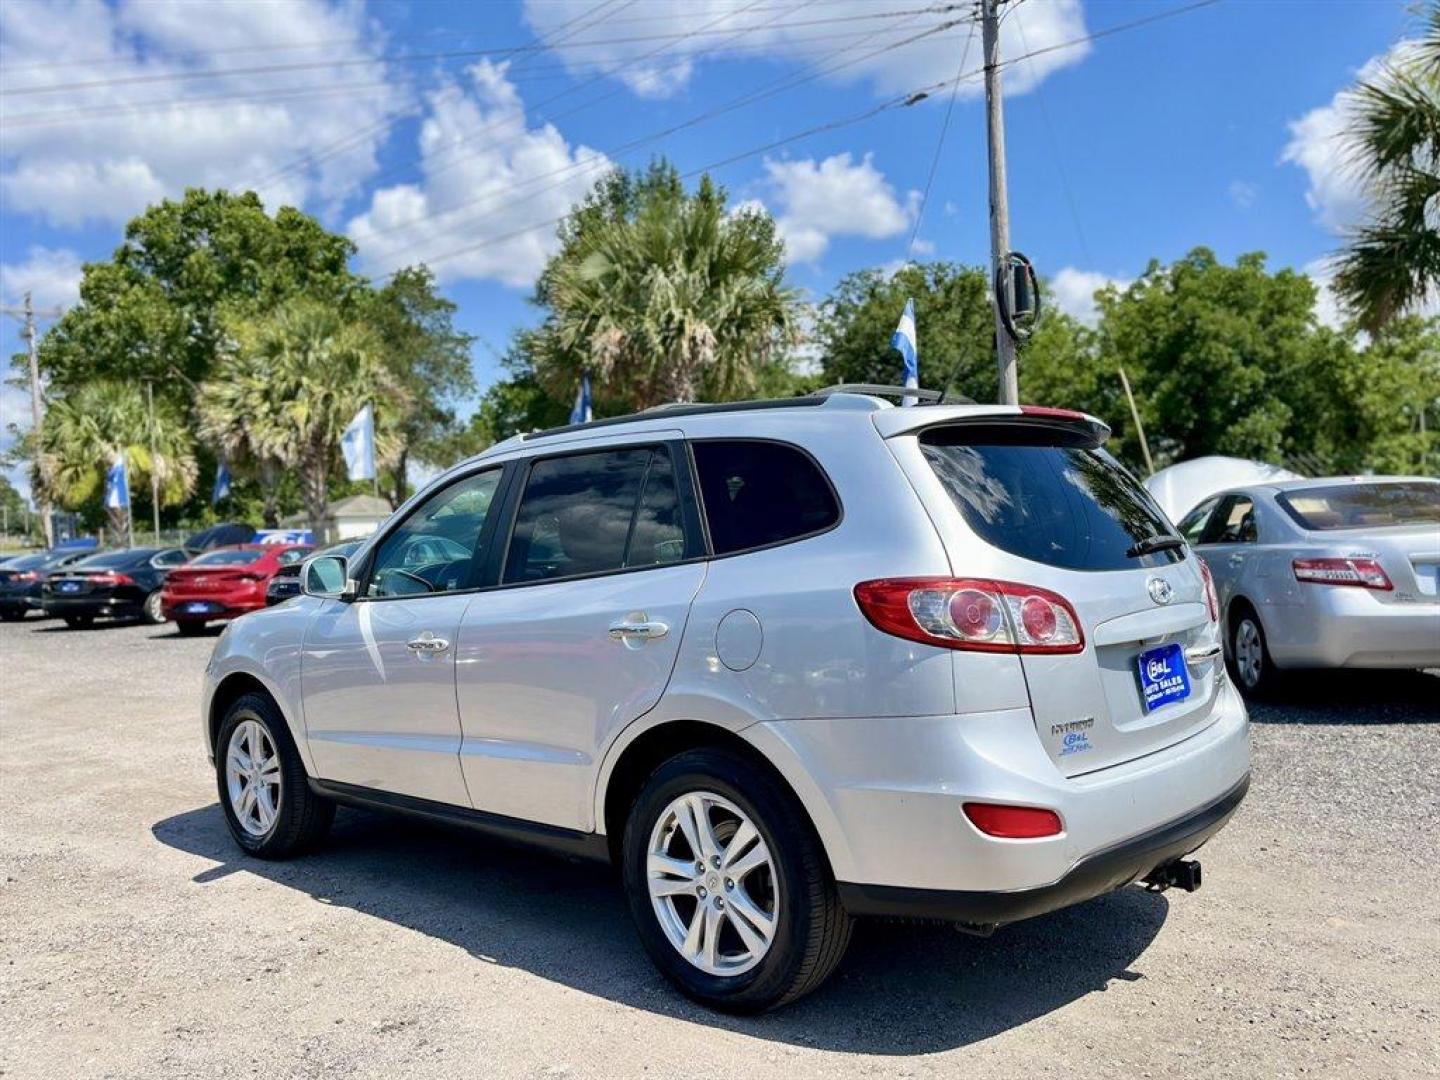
(21, 578)
(286, 582)
(114, 584)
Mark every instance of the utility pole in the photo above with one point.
(37, 415)
(154, 472)
(999, 199)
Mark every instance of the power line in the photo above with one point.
(939, 145)
(269, 69)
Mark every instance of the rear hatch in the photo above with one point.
(1030, 498)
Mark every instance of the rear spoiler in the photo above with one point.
(892, 422)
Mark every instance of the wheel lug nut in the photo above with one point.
(715, 861)
(729, 884)
(701, 891)
(719, 903)
(699, 868)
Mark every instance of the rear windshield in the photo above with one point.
(1067, 506)
(25, 562)
(229, 558)
(110, 560)
(1358, 506)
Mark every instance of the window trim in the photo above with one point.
(695, 540)
(690, 445)
(366, 572)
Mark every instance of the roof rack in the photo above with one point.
(929, 397)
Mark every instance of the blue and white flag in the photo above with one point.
(222, 484)
(358, 445)
(582, 413)
(904, 340)
(117, 485)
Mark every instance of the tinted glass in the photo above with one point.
(434, 549)
(1358, 506)
(1193, 523)
(25, 562)
(229, 558)
(658, 535)
(1233, 523)
(575, 515)
(292, 555)
(111, 559)
(761, 493)
(173, 557)
(1065, 506)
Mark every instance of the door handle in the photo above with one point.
(1236, 560)
(638, 627)
(427, 644)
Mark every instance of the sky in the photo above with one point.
(458, 133)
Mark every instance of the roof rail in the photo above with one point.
(929, 397)
(658, 412)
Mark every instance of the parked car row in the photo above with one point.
(149, 583)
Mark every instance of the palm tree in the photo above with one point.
(287, 386)
(87, 427)
(665, 298)
(1392, 262)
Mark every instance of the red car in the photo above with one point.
(224, 583)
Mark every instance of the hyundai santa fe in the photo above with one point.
(782, 663)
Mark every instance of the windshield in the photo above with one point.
(1067, 506)
(1359, 506)
(229, 558)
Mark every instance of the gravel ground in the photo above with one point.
(135, 941)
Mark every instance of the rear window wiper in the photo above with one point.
(1151, 544)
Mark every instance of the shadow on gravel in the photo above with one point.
(1351, 697)
(902, 989)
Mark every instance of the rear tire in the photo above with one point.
(280, 816)
(1248, 655)
(795, 930)
(11, 616)
(190, 627)
(153, 610)
(79, 622)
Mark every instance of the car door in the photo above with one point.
(378, 672)
(581, 632)
(1228, 544)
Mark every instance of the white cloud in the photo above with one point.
(486, 176)
(50, 275)
(816, 201)
(1336, 191)
(1327, 304)
(847, 48)
(106, 151)
(1073, 292)
(1243, 193)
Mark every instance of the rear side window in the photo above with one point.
(1359, 506)
(761, 493)
(593, 513)
(1067, 506)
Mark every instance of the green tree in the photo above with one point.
(1392, 393)
(16, 513)
(429, 359)
(288, 386)
(662, 295)
(1392, 262)
(87, 427)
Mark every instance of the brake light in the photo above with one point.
(249, 577)
(1212, 601)
(973, 614)
(111, 579)
(1364, 572)
(1013, 822)
(25, 575)
(1054, 414)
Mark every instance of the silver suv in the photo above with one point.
(781, 663)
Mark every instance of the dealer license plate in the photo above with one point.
(1163, 676)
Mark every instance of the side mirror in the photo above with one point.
(327, 575)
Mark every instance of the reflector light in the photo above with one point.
(972, 614)
(1360, 571)
(1013, 822)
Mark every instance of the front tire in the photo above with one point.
(1250, 663)
(728, 884)
(266, 799)
(79, 622)
(190, 627)
(11, 615)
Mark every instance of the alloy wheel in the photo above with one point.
(712, 884)
(252, 777)
(1249, 653)
(154, 608)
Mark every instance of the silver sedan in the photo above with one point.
(1340, 572)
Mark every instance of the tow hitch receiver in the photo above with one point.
(1180, 874)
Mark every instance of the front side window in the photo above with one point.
(1070, 506)
(1192, 525)
(761, 493)
(435, 548)
(592, 513)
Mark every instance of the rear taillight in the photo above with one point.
(249, 577)
(1013, 822)
(1212, 602)
(972, 613)
(111, 579)
(25, 575)
(1360, 571)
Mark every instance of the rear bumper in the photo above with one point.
(99, 607)
(1348, 627)
(177, 608)
(19, 602)
(1102, 872)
